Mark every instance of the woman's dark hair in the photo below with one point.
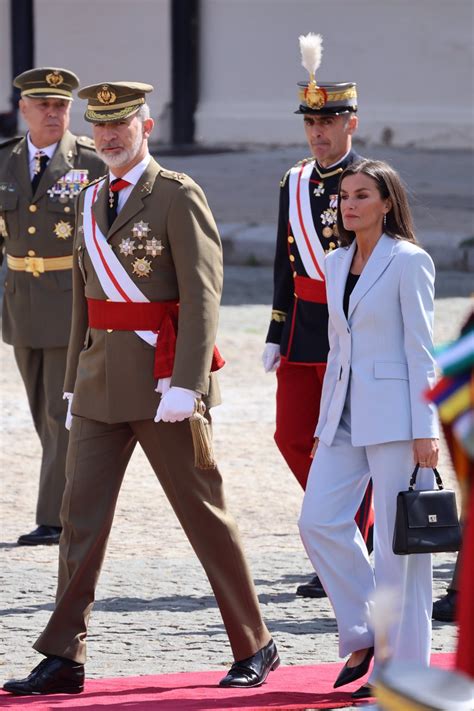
(399, 222)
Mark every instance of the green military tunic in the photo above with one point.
(34, 228)
(111, 374)
(166, 239)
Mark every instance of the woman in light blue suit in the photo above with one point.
(373, 421)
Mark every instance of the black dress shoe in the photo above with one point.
(311, 589)
(444, 609)
(254, 670)
(54, 675)
(364, 692)
(41, 536)
(348, 674)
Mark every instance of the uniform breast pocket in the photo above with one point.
(390, 370)
(63, 208)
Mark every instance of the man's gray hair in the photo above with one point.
(143, 113)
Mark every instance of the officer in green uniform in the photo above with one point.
(147, 259)
(40, 177)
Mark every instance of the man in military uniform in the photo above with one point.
(297, 341)
(147, 259)
(40, 176)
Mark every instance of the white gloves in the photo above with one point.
(176, 404)
(271, 357)
(68, 397)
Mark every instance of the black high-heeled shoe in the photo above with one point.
(348, 674)
(364, 692)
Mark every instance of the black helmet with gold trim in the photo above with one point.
(327, 98)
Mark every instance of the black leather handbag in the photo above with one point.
(426, 521)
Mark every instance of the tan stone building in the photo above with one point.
(412, 60)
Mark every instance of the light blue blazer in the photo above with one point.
(384, 347)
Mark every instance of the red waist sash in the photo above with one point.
(310, 290)
(155, 316)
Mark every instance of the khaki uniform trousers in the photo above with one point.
(42, 371)
(97, 459)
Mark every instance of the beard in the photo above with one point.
(124, 157)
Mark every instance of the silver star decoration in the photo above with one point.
(127, 247)
(154, 247)
(140, 229)
(328, 217)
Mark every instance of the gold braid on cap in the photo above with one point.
(114, 115)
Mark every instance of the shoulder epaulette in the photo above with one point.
(93, 182)
(284, 179)
(10, 141)
(173, 175)
(85, 142)
(303, 161)
(300, 162)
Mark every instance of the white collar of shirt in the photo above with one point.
(333, 165)
(32, 150)
(132, 177)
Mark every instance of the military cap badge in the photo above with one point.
(105, 95)
(54, 78)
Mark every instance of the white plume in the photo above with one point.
(311, 47)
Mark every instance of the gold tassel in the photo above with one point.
(202, 438)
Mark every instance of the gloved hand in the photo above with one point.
(163, 385)
(176, 405)
(271, 357)
(68, 397)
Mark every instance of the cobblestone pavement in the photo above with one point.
(155, 612)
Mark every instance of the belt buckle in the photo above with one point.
(34, 265)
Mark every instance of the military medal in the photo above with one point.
(328, 217)
(154, 247)
(142, 267)
(37, 162)
(63, 229)
(3, 227)
(319, 189)
(127, 247)
(69, 185)
(327, 232)
(140, 230)
(333, 202)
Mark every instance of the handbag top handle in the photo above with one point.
(439, 481)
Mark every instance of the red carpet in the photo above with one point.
(288, 688)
